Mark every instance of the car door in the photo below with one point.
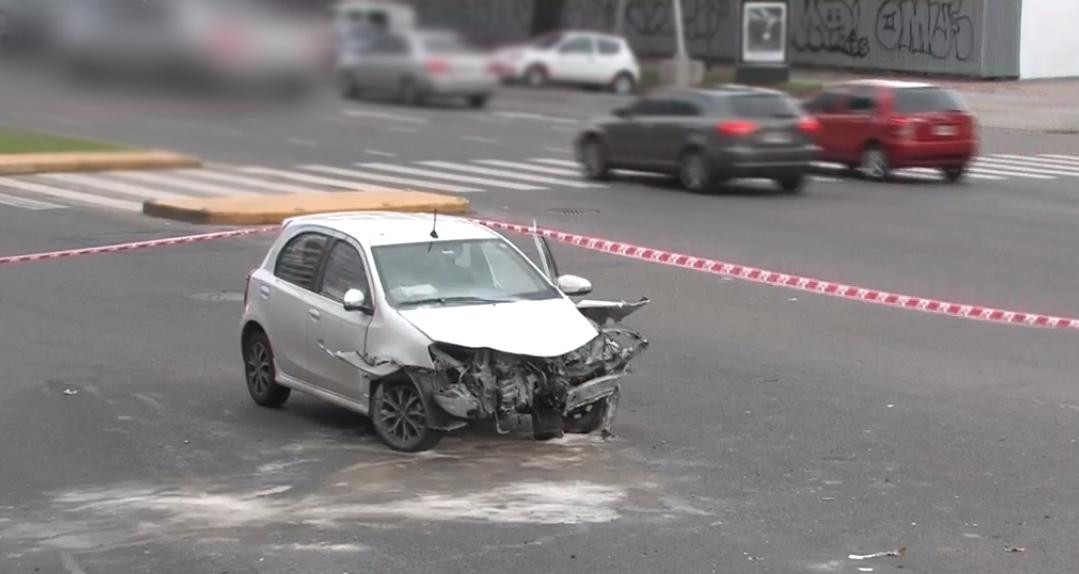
(676, 117)
(288, 297)
(627, 138)
(332, 329)
(380, 67)
(574, 60)
(861, 123)
(610, 60)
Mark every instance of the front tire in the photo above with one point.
(399, 416)
(261, 374)
(694, 173)
(623, 84)
(535, 76)
(477, 101)
(594, 159)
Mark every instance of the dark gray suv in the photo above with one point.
(705, 137)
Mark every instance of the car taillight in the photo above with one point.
(902, 128)
(809, 125)
(494, 68)
(438, 66)
(737, 128)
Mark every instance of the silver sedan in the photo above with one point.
(416, 66)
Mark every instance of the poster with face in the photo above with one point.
(764, 32)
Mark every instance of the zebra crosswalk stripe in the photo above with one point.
(314, 179)
(251, 182)
(112, 185)
(70, 195)
(530, 167)
(419, 183)
(26, 203)
(510, 174)
(176, 182)
(1014, 165)
(451, 177)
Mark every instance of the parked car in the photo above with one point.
(877, 126)
(705, 137)
(416, 66)
(425, 324)
(582, 58)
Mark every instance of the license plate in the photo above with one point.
(776, 138)
(945, 131)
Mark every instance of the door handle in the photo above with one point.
(264, 290)
(314, 314)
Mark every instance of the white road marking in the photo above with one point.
(385, 116)
(564, 129)
(985, 177)
(71, 195)
(559, 150)
(303, 142)
(538, 117)
(251, 182)
(499, 173)
(175, 182)
(479, 139)
(564, 162)
(315, 179)
(1008, 173)
(398, 130)
(1026, 168)
(450, 177)
(113, 186)
(1066, 158)
(379, 153)
(530, 167)
(26, 203)
(824, 179)
(420, 183)
(1033, 161)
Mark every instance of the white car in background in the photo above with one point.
(427, 324)
(573, 57)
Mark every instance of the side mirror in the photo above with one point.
(355, 300)
(574, 285)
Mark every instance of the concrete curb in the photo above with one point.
(264, 210)
(29, 163)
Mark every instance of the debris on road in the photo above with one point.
(885, 554)
(71, 392)
(1015, 549)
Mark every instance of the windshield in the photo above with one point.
(548, 41)
(464, 272)
(922, 100)
(764, 106)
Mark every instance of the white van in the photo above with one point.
(350, 16)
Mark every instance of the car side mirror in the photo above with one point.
(355, 300)
(574, 285)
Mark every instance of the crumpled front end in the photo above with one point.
(575, 392)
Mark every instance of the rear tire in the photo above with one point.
(694, 173)
(875, 165)
(478, 101)
(593, 158)
(409, 93)
(535, 76)
(260, 372)
(955, 174)
(400, 418)
(623, 84)
(792, 183)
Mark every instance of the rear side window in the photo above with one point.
(577, 46)
(922, 100)
(608, 47)
(764, 106)
(445, 45)
(299, 259)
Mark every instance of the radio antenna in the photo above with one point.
(434, 226)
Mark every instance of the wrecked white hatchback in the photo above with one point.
(425, 324)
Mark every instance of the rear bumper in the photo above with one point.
(756, 162)
(931, 154)
(462, 86)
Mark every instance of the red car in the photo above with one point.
(876, 126)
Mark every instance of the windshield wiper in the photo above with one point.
(459, 299)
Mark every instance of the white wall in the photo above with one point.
(1049, 40)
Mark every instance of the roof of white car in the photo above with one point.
(376, 228)
(890, 83)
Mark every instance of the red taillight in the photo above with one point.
(494, 68)
(737, 128)
(438, 66)
(809, 125)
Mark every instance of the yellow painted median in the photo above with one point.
(266, 210)
(26, 163)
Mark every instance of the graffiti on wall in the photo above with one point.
(830, 26)
(703, 22)
(940, 29)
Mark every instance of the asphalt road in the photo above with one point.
(765, 430)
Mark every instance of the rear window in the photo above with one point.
(609, 47)
(445, 45)
(921, 100)
(764, 106)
